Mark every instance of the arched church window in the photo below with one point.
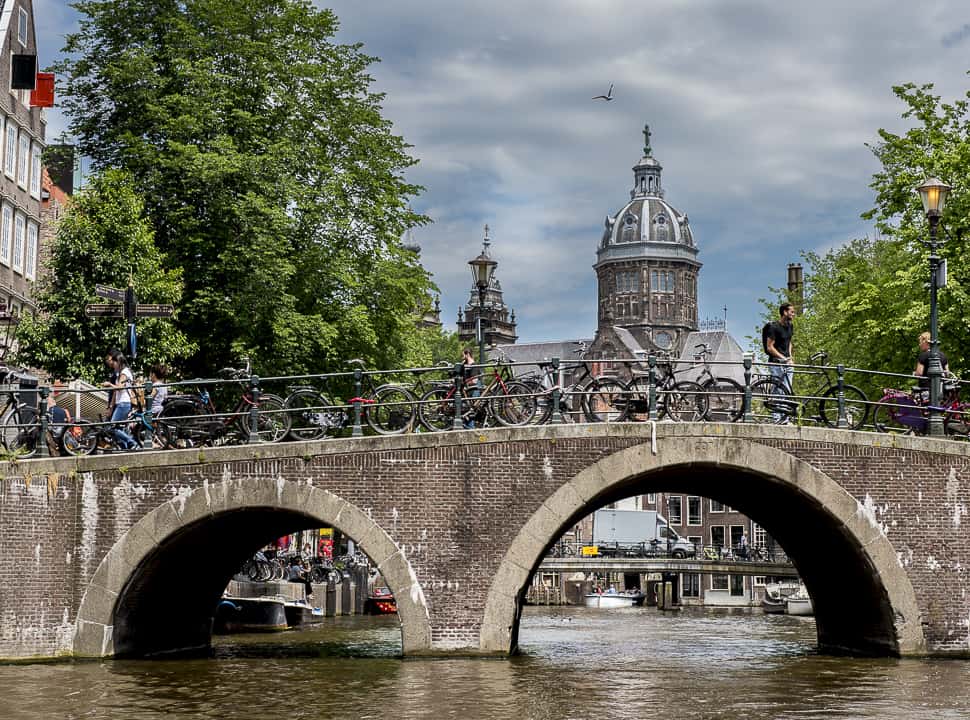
(629, 229)
(661, 231)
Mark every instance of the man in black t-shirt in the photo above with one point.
(923, 361)
(780, 350)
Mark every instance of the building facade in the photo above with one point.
(646, 270)
(23, 133)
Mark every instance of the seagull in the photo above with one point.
(607, 97)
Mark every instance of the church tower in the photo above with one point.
(646, 270)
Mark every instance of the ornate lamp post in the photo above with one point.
(933, 193)
(482, 269)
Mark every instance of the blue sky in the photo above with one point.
(760, 113)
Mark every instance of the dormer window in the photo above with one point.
(22, 27)
(661, 231)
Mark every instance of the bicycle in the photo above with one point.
(899, 411)
(388, 409)
(725, 396)
(85, 438)
(192, 419)
(507, 401)
(678, 400)
(774, 398)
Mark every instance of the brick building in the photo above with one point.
(23, 133)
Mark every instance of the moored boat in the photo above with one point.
(300, 613)
(236, 614)
(800, 604)
(381, 602)
(614, 600)
(775, 600)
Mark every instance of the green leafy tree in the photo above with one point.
(867, 301)
(270, 177)
(102, 238)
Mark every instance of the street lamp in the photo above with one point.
(933, 193)
(482, 269)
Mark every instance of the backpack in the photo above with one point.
(765, 333)
(138, 393)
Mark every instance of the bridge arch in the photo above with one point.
(190, 543)
(864, 600)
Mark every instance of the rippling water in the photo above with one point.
(576, 663)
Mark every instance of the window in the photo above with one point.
(660, 228)
(759, 581)
(716, 507)
(22, 27)
(719, 582)
(690, 584)
(697, 540)
(717, 536)
(10, 158)
(6, 235)
(626, 281)
(737, 586)
(759, 536)
(23, 158)
(662, 281)
(693, 510)
(675, 510)
(30, 262)
(35, 171)
(736, 532)
(652, 498)
(19, 229)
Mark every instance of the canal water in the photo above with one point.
(575, 663)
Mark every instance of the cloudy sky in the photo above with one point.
(760, 112)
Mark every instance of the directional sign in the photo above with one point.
(154, 310)
(109, 293)
(104, 310)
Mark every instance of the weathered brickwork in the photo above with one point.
(453, 503)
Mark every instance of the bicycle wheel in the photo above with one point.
(856, 407)
(174, 424)
(885, 418)
(392, 411)
(80, 438)
(604, 400)
(516, 405)
(436, 411)
(308, 411)
(686, 401)
(20, 431)
(771, 402)
(273, 423)
(725, 400)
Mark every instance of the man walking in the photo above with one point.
(778, 345)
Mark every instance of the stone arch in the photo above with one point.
(889, 611)
(151, 537)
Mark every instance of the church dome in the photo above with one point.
(647, 225)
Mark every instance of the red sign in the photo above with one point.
(43, 93)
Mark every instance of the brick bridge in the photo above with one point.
(128, 554)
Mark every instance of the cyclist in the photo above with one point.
(778, 345)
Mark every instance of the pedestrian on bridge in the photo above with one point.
(777, 342)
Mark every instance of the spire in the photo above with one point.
(646, 173)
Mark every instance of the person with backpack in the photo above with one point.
(776, 339)
(121, 395)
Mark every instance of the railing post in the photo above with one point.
(147, 428)
(42, 449)
(557, 392)
(840, 375)
(254, 409)
(358, 431)
(457, 423)
(748, 362)
(652, 386)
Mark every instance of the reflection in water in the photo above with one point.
(576, 663)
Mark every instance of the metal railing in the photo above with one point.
(246, 408)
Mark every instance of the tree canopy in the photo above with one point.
(867, 301)
(101, 239)
(270, 179)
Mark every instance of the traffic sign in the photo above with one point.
(104, 310)
(154, 310)
(109, 293)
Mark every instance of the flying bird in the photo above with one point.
(607, 97)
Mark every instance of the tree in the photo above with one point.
(270, 177)
(867, 302)
(100, 240)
